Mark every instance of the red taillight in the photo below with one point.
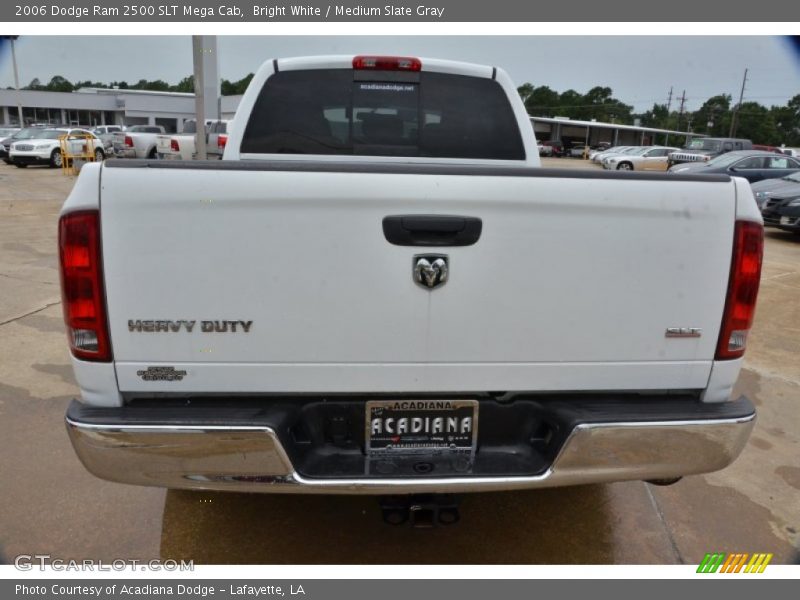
(173, 145)
(129, 141)
(221, 141)
(740, 305)
(387, 63)
(82, 286)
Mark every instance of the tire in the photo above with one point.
(626, 166)
(20, 165)
(56, 159)
(99, 155)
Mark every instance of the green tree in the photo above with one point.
(525, 91)
(599, 103)
(755, 122)
(159, 85)
(89, 84)
(658, 117)
(714, 116)
(59, 84)
(543, 102)
(185, 85)
(233, 88)
(787, 122)
(570, 104)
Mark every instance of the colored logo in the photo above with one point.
(739, 562)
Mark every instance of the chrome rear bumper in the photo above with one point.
(252, 458)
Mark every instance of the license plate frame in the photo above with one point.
(421, 435)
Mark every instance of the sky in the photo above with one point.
(639, 69)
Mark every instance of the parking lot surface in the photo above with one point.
(50, 505)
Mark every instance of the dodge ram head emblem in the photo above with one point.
(431, 270)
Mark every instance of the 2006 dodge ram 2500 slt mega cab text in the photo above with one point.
(379, 290)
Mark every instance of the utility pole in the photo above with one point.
(735, 116)
(12, 39)
(669, 105)
(199, 97)
(680, 112)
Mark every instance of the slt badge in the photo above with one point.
(431, 270)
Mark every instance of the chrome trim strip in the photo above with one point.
(251, 458)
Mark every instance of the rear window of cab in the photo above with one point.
(333, 111)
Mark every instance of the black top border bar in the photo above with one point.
(149, 11)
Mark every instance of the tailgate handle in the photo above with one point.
(431, 230)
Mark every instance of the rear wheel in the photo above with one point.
(56, 159)
(626, 166)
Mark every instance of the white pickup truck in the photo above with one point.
(379, 290)
(137, 141)
(181, 146)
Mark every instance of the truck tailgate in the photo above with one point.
(164, 144)
(571, 286)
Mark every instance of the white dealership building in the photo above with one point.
(100, 106)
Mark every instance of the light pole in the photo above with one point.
(199, 97)
(12, 39)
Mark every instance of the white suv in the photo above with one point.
(44, 147)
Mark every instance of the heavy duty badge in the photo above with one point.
(156, 326)
(431, 270)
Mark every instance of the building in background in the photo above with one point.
(100, 106)
(591, 133)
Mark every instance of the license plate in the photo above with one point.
(421, 427)
(786, 220)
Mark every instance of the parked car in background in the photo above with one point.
(795, 152)
(544, 150)
(630, 151)
(558, 147)
(22, 134)
(578, 150)
(6, 132)
(789, 216)
(753, 165)
(106, 133)
(180, 146)
(652, 158)
(218, 139)
(44, 147)
(704, 149)
(138, 141)
(767, 148)
(772, 209)
(597, 157)
(783, 187)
